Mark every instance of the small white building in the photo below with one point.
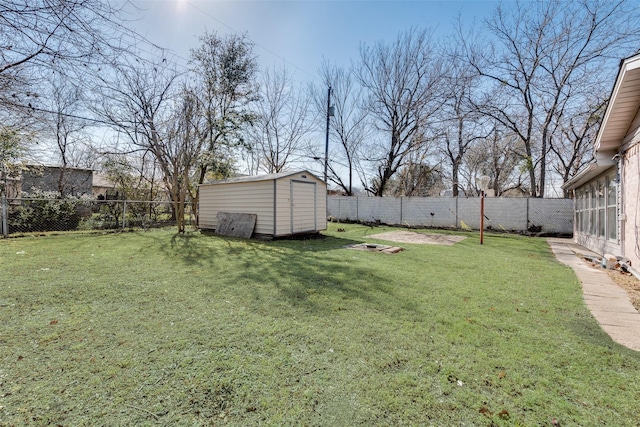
(285, 203)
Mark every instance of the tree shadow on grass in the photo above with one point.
(187, 248)
(318, 275)
(312, 274)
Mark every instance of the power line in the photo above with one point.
(60, 113)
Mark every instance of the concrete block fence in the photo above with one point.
(508, 214)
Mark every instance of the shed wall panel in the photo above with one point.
(283, 204)
(240, 197)
(282, 208)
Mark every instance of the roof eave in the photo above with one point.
(627, 65)
(590, 171)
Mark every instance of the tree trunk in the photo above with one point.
(454, 175)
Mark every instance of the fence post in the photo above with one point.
(400, 210)
(124, 212)
(357, 209)
(5, 230)
(526, 224)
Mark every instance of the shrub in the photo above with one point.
(48, 211)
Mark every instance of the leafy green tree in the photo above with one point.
(223, 86)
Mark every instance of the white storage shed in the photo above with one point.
(285, 203)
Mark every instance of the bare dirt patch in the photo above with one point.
(629, 283)
(625, 280)
(418, 238)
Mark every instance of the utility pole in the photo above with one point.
(326, 144)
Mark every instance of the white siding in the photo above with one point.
(241, 197)
(303, 206)
(274, 211)
(283, 206)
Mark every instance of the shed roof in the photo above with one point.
(267, 177)
(68, 168)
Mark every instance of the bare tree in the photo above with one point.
(133, 176)
(72, 36)
(572, 143)
(402, 81)
(348, 125)
(417, 178)
(179, 153)
(144, 104)
(542, 56)
(498, 156)
(461, 124)
(66, 129)
(283, 122)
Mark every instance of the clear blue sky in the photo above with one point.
(300, 33)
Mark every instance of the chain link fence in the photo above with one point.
(37, 215)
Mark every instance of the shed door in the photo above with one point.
(303, 207)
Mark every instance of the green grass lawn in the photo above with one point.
(154, 328)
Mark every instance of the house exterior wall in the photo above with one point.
(621, 182)
(607, 190)
(254, 197)
(630, 212)
(47, 178)
(597, 220)
(276, 202)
